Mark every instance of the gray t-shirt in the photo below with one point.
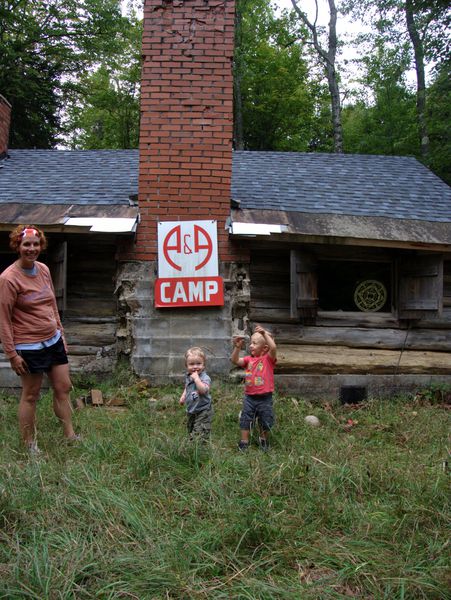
(194, 401)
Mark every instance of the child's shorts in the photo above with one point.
(42, 361)
(257, 406)
(199, 424)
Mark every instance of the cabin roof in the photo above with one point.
(89, 177)
(287, 188)
(53, 187)
(397, 187)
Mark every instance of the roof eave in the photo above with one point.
(114, 219)
(342, 230)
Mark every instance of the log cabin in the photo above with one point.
(346, 259)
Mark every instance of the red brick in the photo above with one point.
(186, 117)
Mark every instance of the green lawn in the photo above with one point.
(136, 511)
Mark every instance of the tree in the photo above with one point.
(439, 120)
(45, 43)
(104, 113)
(424, 24)
(274, 107)
(327, 58)
(382, 121)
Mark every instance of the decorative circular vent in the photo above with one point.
(370, 295)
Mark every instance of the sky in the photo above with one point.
(345, 28)
(309, 7)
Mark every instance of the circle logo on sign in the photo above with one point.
(176, 244)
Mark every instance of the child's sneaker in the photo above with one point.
(243, 446)
(264, 444)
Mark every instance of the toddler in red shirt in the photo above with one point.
(259, 384)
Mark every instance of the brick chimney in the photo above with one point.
(186, 117)
(185, 174)
(5, 121)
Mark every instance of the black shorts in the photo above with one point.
(42, 361)
(257, 406)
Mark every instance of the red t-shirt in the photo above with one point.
(259, 377)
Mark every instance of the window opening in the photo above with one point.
(354, 286)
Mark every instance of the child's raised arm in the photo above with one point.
(238, 343)
(272, 348)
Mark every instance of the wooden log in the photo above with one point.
(90, 364)
(84, 319)
(90, 334)
(347, 319)
(340, 359)
(356, 319)
(443, 322)
(84, 350)
(358, 337)
(271, 315)
(91, 307)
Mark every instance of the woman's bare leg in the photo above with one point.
(61, 384)
(31, 387)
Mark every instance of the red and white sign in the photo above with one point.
(188, 265)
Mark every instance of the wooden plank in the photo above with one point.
(269, 315)
(356, 319)
(58, 268)
(358, 337)
(96, 320)
(76, 349)
(420, 285)
(96, 397)
(90, 334)
(339, 359)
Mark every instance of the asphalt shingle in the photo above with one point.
(349, 184)
(342, 184)
(69, 176)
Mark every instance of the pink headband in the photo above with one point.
(29, 231)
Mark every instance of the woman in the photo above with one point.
(32, 335)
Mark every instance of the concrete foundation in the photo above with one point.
(155, 340)
(328, 387)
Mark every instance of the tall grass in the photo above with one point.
(137, 511)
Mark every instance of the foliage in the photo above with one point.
(421, 27)
(276, 101)
(44, 44)
(326, 48)
(383, 120)
(105, 111)
(355, 508)
(388, 17)
(71, 69)
(439, 121)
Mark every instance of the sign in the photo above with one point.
(188, 265)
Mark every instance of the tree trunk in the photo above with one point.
(421, 83)
(327, 58)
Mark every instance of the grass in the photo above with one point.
(348, 510)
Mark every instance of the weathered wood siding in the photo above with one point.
(346, 342)
(90, 318)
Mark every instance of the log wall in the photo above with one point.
(346, 342)
(90, 319)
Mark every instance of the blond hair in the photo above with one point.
(195, 351)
